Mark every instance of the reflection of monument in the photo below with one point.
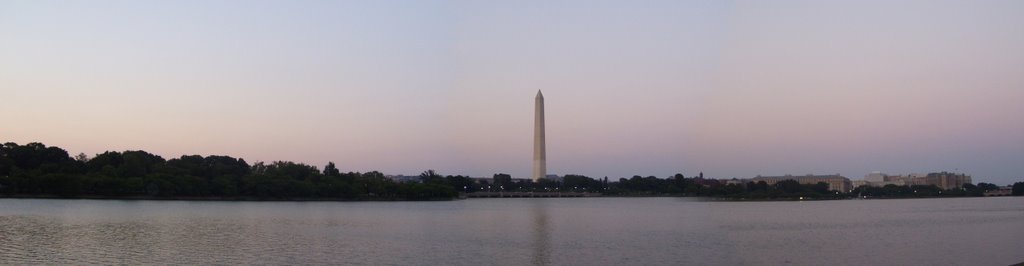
(540, 168)
(541, 233)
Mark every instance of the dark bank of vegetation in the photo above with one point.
(918, 191)
(678, 185)
(673, 186)
(786, 190)
(681, 186)
(35, 170)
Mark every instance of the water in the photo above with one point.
(571, 231)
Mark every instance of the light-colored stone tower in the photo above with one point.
(540, 167)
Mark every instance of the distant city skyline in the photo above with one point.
(730, 88)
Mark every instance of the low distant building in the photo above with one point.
(879, 179)
(946, 180)
(943, 180)
(858, 183)
(733, 181)
(835, 182)
(404, 178)
(905, 180)
(874, 177)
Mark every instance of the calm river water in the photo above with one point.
(571, 231)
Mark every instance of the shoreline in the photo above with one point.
(225, 199)
(256, 199)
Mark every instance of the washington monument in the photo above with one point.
(540, 167)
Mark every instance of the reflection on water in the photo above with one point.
(617, 231)
(541, 239)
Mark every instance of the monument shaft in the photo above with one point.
(540, 169)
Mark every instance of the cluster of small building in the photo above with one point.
(837, 182)
(942, 180)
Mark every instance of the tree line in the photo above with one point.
(931, 191)
(679, 185)
(697, 186)
(35, 169)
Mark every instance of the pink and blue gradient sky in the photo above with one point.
(733, 89)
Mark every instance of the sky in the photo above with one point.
(727, 88)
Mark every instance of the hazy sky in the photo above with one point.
(733, 89)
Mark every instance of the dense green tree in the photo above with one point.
(431, 177)
(112, 159)
(789, 186)
(820, 188)
(502, 179)
(680, 181)
(581, 183)
(35, 169)
(461, 183)
(139, 164)
(987, 186)
(331, 170)
(759, 186)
